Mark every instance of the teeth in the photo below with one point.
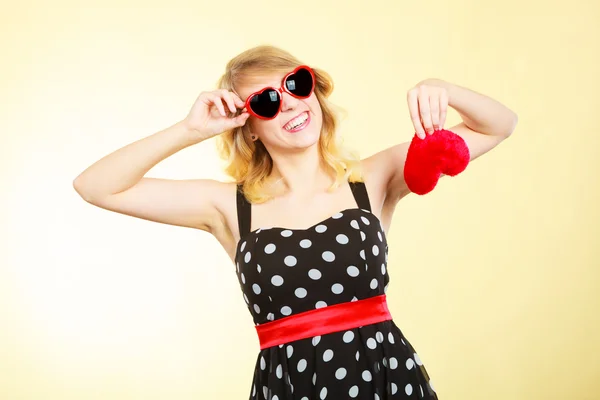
(296, 121)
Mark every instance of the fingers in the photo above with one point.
(427, 107)
(443, 108)
(425, 111)
(216, 100)
(413, 109)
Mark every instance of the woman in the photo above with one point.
(304, 222)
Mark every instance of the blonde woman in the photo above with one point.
(304, 222)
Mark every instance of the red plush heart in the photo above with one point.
(443, 152)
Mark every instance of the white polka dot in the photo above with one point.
(337, 288)
(300, 293)
(314, 378)
(379, 337)
(337, 216)
(279, 371)
(376, 397)
(366, 375)
(357, 355)
(374, 283)
(353, 392)
(270, 316)
(316, 340)
(270, 248)
(323, 393)
(354, 299)
(328, 355)
(352, 271)
(403, 342)
(375, 250)
(246, 298)
(256, 288)
(385, 288)
(394, 388)
(383, 269)
(289, 351)
(286, 233)
(362, 255)
(263, 363)
(417, 359)
(328, 256)
(258, 268)
(277, 280)
(290, 261)
(305, 243)
(320, 304)
(243, 246)
(393, 363)
(314, 274)
(266, 391)
(348, 337)
(320, 228)
(365, 221)
(363, 236)
(371, 343)
(340, 373)
(384, 362)
(379, 236)
(354, 224)
(237, 267)
(257, 308)
(391, 338)
(243, 278)
(285, 310)
(342, 239)
(408, 389)
(253, 390)
(302, 365)
(421, 388)
(247, 257)
(275, 397)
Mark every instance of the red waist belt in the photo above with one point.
(335, 318)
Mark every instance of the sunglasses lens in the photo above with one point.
(301, 83)
(265, 104)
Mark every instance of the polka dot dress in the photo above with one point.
(341, 259)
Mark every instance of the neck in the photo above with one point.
(302, 173)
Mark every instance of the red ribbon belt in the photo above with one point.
(334, 318)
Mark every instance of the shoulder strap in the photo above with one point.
(244, 212)
(359, 190)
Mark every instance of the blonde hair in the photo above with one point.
(248, 162)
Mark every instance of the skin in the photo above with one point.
(117, 181)
(486, 123)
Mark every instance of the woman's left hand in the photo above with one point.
(427, 104)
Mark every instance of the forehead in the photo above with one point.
(251, 83)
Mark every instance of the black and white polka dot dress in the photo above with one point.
(341, 259)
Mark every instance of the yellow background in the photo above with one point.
(495, 276)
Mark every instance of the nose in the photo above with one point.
(288, 102)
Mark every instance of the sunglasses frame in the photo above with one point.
(280, 91)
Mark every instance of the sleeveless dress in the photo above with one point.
(343, 258)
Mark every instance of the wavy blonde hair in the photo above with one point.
(249, 162)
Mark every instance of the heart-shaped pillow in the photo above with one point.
(443, 152)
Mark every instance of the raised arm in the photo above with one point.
(117, 183)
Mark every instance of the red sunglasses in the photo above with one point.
(266, 103)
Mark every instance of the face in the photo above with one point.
(296, 127)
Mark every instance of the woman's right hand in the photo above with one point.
(215, 112)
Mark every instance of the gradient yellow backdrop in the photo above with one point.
(495, 276)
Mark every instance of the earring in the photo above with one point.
(253, 137)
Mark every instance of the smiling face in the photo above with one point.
(296, 127)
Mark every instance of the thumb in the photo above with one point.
(239, 120)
